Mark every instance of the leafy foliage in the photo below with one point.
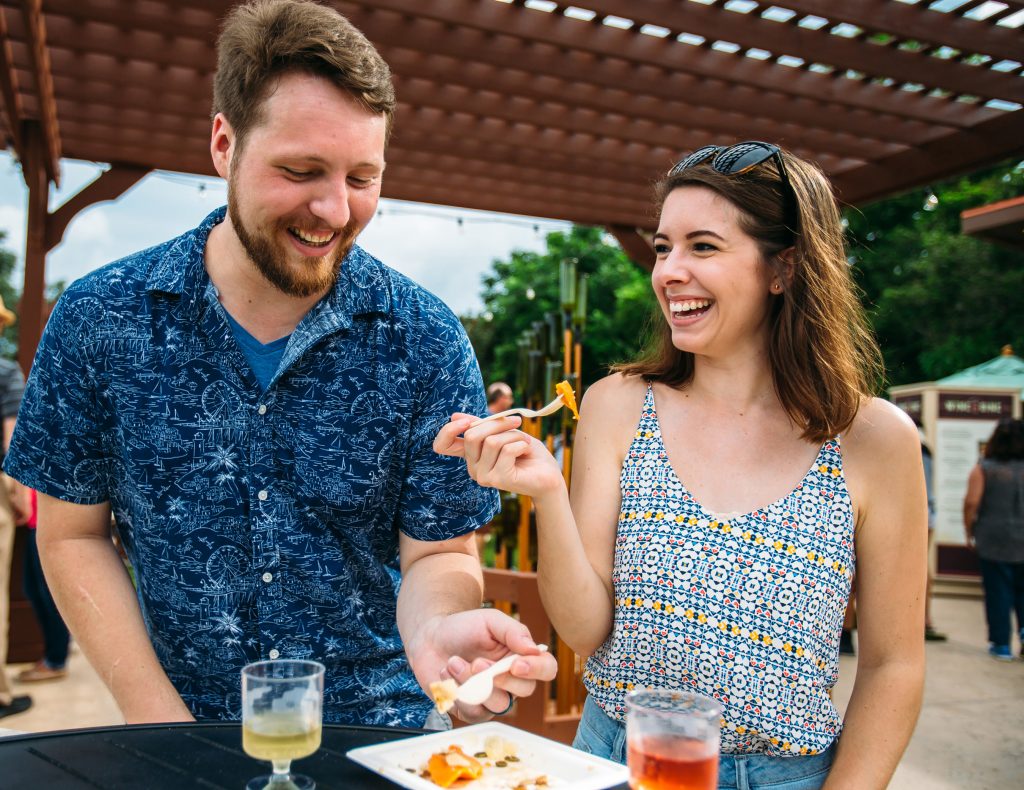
(9, 337)
(939, 301)
(521, 290)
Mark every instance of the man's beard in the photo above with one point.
(270, 258)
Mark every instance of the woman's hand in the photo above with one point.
(500, 456)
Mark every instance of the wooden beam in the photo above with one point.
(582, 213)
(716, 23)
(30, 313)
(635, 244)
(532, 193)
(794, 126)
(109, 185)
(568, 35)
(954, 154)
(163, 18)
(33, 13)
(9, 89)
(572, 119)
(917, 23)
(397, 36)
(652, 114)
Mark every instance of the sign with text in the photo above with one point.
(911, 404)
(974, 406)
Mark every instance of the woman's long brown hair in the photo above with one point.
(823, 356)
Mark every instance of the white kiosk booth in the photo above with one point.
(957, 414)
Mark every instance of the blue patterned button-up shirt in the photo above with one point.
(258, 523)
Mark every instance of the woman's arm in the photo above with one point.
(882, 459)
(576, 538)
(972, 501)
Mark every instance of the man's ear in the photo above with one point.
(222, 145)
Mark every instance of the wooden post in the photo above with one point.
(46, 230)
(30, 318)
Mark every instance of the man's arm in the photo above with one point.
(445, 631)
(95, 596)
(972, 501)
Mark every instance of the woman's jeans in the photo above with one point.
(601, 735)
(55, 633)
(1004, 590)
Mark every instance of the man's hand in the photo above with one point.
(459, 645)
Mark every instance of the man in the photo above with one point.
(255, 401)
(499, 397)
(12, 384)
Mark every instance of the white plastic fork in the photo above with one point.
(551, 408)
(479, 687)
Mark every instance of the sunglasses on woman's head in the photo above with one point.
(732, 160)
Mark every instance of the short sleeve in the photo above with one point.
(439, 498)
(57, 447)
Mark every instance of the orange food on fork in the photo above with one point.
(562, 388)
(446, 768)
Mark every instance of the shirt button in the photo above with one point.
(268, 577)
(262, 495)
(275, 653)
(262, 409)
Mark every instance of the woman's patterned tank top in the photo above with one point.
(746, 609)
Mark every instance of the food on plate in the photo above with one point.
(498, 748)
(443, 694)
(495, 767)
(446, 768)
(562, 388)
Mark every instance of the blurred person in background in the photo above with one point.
(499, 397)
(56, 639)
(994, 525)
(12, 511)
(930, 634)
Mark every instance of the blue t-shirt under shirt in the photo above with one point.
(264, 358)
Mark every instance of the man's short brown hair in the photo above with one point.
(265, 39)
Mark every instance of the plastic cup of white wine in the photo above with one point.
(282, 718)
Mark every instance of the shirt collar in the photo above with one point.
(361, 288)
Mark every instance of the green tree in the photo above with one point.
(10, 294)
(939, 301)
(521, 290)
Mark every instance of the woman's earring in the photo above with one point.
(776, 288)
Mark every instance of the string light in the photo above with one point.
(206, 187)
(931, 200)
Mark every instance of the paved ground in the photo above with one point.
(971, 731)
(970, 735)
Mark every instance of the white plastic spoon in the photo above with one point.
(479, 687)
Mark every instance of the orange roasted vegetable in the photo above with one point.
(446, 768)
(562, 388)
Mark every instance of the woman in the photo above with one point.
(710, 546)
(994, 523)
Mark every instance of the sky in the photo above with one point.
(428, 243)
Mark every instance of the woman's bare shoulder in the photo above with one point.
(881, 432)
(614, 403)
(615, 392)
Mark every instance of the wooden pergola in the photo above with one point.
(535, 107)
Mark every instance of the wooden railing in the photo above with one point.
(554, 709)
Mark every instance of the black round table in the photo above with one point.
(166, 756)
(204, 756)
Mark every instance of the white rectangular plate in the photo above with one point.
(563, 766)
